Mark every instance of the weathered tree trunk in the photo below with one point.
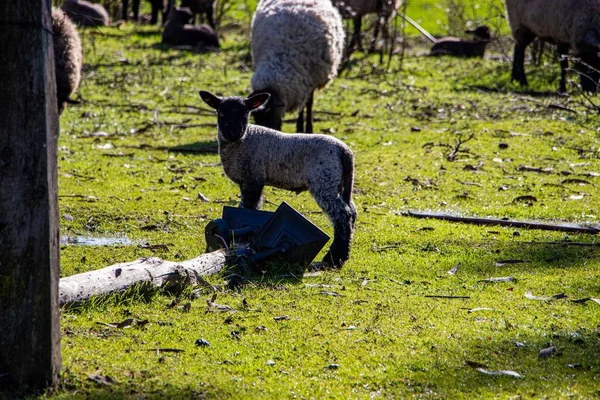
(29, 250)
(150, 271)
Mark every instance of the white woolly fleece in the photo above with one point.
(297, 46)
(563, 21)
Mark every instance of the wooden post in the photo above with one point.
(29, 247)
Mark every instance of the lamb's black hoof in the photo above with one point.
(332, 262)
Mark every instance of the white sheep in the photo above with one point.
(357, 9)
(68, 58)
(85, 13)
(570, 24)
(254, 156)
(297, 47)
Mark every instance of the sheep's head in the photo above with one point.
(482, 32)
(180, 16)
(233, 112)
(271, 115)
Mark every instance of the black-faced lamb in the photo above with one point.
(570, 24)
(85, 13)
(178, 31)
(357, 9)
(254, 156)
(202, 7)
(158, 6)
(297, 47)
(457, 47)
(68, 58)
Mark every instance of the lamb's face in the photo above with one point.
(232, 113)
(232, 118)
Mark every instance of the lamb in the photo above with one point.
(254, 156)
(464, 48)
(570, 24)
(179, 32)
(356, 9)
(85, 13)
(297, 47)
(201, 7)
(68, 58)
(162, 6)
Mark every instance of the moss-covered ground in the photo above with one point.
(369, 330)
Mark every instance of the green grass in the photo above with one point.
(387, 338)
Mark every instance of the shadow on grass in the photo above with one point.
(202, 147)
(120, 390)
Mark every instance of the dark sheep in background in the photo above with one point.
(570, 24)
(162, 6)
(457, 47)
(179, 32)
(254, 156)
(357, 9)
(68, 58)
(202, 7)
(85, 13)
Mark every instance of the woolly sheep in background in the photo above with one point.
(297, 47)
(178, 30)
(573, 24)
(85, 13)
(254, 156)
(68, 58)
(357, 9)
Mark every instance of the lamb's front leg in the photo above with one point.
(251, 195)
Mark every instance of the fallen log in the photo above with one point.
(563, 226)
(152, 271)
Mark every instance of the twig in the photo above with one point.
(433, 296)
(564, 227)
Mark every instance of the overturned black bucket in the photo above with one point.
(284, 234)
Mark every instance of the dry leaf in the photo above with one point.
(501, 279)
(501, 263)
(281, 318)
(125, 324)
(480, 309)
(525, 199)
(326, 293)
(454, 270)
(530, 296)
(102, 380)
(202, 343)
(500, 372)
(547, 352)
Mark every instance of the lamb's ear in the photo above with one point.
(210, 99)
(257, 101)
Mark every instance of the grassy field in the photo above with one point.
(369, 330)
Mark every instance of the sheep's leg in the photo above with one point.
(300, 121)
(209, 17)
(563, 52)
(518, 72)
(136, 9)
(355, 41)
(588, 73)
(341, 217)
(155, 9)
(251, 195)
(309, 115)
(125, 13)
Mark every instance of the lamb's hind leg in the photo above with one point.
(341, 217)
(251, 195)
